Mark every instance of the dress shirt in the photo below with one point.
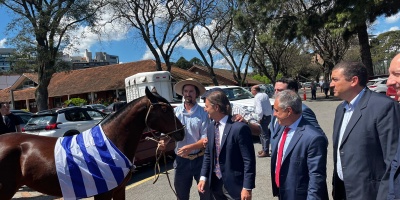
(262, 105)
(349, 109)
(289, 136)
(195, 121)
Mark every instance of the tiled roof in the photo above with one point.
(110, 77)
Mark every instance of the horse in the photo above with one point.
(29, 159)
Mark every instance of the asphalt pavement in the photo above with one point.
(141, 186)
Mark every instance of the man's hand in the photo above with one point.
(200, 186)
(246, 194)
(205, 141)
(238, 118)
(162, 143)
(184, 151)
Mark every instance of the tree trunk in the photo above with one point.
(41, 93)
(365, 48)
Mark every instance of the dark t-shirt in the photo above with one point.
(3, 127)
(11, 121)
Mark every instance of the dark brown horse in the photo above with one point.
(29, 159)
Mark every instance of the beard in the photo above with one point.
(189, 100)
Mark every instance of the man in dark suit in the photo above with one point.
(365, 135)
(298, 160)
(229, 160)
(307, 113)
(394, 179)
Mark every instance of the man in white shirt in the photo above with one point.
(263, 110)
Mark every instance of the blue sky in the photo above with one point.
(123, 44)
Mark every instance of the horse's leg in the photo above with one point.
(119, 192)
(10, 173)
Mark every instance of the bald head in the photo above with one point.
(394, 74)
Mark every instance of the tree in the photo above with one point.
(183, 63)
(385, 47)
(353, 16)
(161, 24)
(44, 26)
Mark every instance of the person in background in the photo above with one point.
(263, 110)
(321, 83)
(394, 178)
(326, 86)
(190, 150)
(313, 90)
(11, 121)
(229, 165)
(298, 160)
(365, 135)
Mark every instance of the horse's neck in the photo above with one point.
(126, 129)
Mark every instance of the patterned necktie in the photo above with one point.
(217, 169)
(280, 154)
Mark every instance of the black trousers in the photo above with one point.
(218, 189)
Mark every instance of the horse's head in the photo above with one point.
(161, 117)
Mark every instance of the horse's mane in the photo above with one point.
(128, 106)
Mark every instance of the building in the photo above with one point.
(96, 85)
(87, 61)
(5, 62)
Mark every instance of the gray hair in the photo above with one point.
(289, 98)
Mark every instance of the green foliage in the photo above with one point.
(75, 102)
(260, 78)
(183, 63)
(197, 61)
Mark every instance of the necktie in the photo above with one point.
(280, 154)
(217, 150)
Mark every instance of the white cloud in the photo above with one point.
(85, 38)
(393, 18)
(3, 43)
(394, 28)
(149, 55)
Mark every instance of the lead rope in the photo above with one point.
(157, 169)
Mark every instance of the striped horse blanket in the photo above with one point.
(88, 164)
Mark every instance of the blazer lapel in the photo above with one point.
(296, 137)
(337, 124)
(356, 115)
(227, 129)
(277, 136)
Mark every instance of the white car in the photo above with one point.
(378, 85)
(63, 122)
(241, 99)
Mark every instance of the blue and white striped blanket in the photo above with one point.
(89, 164)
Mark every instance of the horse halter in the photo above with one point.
(162, 104)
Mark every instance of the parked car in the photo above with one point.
(23, 115)
(62, 122)
(99, 107)
(114, 107)
(391, 92)
(378, 85)
(268, 89)
(306, 84)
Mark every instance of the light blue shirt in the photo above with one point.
(289, 137)
(349, 109)
(195, 122)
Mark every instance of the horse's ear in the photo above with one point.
(150, 95)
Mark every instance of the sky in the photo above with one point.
(129, 47)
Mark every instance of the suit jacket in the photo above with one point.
(237, 158)
(394, 179)
(303, 168)
(307, 113)
(368, 145)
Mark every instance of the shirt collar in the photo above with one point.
(295, 124)
(353, 103)
(223, 120)
(192, 110)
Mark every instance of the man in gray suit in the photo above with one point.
(365, 135)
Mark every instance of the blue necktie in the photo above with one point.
(217, 169)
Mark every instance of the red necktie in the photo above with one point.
(280, 154)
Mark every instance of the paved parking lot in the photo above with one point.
(142, 187)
